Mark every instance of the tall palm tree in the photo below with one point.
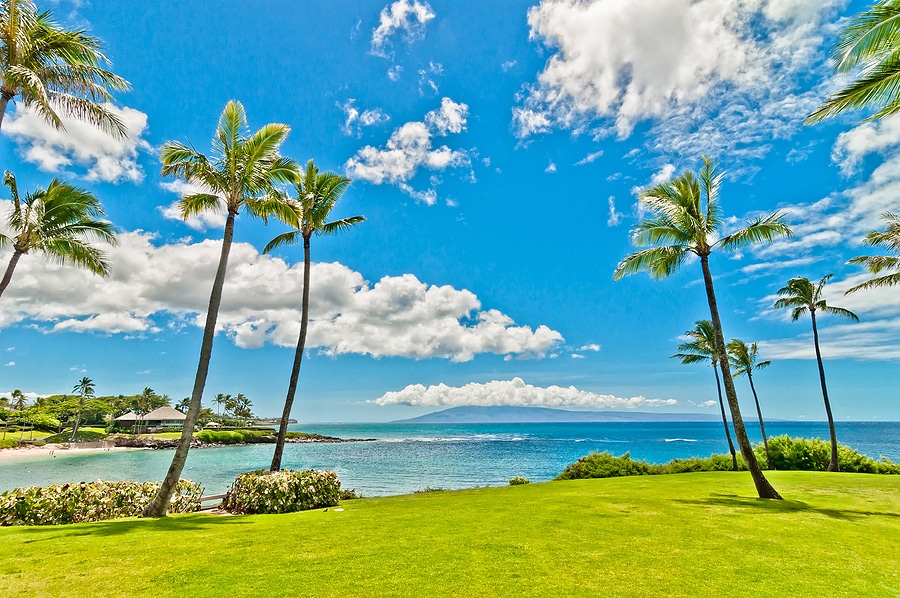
(869, 48)
(240, 176)
(803, 297)
(18, 399)
(744, 359)
(221, 400)
(317, 193)
(85, 390)
(889, 238)
(53, 70)
(702, 347)
(686, 220)
(57, 222)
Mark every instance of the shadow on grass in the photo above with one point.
(118, 527)
(781, 506)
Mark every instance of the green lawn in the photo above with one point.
(676, 535)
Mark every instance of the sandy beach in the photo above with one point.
(55, 450)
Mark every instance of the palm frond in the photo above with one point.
(197, 203)
(659, 262)
(876, 86)
(888, 280)
(336, 226)
(763, 229)
(288, 238)
(840, 311)
(867, 36)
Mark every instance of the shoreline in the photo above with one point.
(23, 453)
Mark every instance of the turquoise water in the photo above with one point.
(409, 457)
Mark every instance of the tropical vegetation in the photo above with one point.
(803, 297)
(890, 239)
(744, 359)
(285, 491)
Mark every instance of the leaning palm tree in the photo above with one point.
(240, 176)
(889, 238)
(702, 348)
(317, 194)
(57, 222)
(744, 359)
(802, 296)
(85, 390)
(686, 220)
(18, 399)
(53, 70)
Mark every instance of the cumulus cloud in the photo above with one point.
(80, 148)
(410, 149)
(204, 220)
(355, 120)
(154, 287)
(716, 74)
(408, 16)
(513, 392)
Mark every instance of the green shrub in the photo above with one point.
(80, 436)
(9, 443)
(231, 436)
(604, 465)
(90, 501)
(715, 462)
(284, 491)
(814, 454)
(518, 480)
(40, 421)
(351, 494)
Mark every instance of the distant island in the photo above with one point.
(514, 415)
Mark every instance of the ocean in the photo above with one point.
(409, 457)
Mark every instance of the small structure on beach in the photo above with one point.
(159, 420)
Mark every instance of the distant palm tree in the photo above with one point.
(221, 400)
(183, 404)
(743, 359)
(702, 347)
(57, 222)
(54, 70)
(889, 238)
(240, 176)
(803, 297)
(317, 194)
(85, 390)
(19, 401)
(687, 220)
(868, 48)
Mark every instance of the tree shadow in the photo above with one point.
(118, 527)
(781, 506)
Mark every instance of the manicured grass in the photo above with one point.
(701, 534)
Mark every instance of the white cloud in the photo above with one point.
(10, 364)
(204, 220)
(152, 287)
(506, 66)
(428, 75)
(577, 356)
(410, 149)
(394, 72)
(590, 347)
(551, 167)
(355, 120)
(513, 392)
(589, 158)
(80, 146)
(409, 16)
(615, 217)
(716, 74)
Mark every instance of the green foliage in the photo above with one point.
(350, 494)
(9, 443)
(283, 491)
(429, 489)
(604, 465)
(715, 462)
(518, 480)
(83, 435)
(231, 436)
(89, 501)
(814, 454)
(40, 420)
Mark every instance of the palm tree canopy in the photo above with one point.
(701, 346)
(54, 70)
(890, 239)
(743, 357)
(84, 388)
(802, 296)
(687, 219)
(59, 222)
(241, 171)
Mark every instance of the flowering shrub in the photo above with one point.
(285, 491)
(90, 501)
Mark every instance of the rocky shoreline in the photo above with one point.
(170, 443)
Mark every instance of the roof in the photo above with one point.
(165, 413)
(128, 416)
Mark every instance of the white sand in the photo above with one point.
(53, 450)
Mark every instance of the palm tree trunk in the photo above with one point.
(724, 417)
(77, 421)
(4, 102)
(298, 358)
(9, 270)
(763, 488)
(833, 465)
(762, 425)
(160, 502)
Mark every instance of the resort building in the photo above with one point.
(158, 420)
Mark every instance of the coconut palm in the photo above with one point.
(744, 359)
(889, 238)
(18, 399)
(57, 222)
(53, 70)
(238, 177)
(803, 297)
(85, 390)
(317, 193)
(701, 348)
(221, 400)
(686, 220)
(869, 48)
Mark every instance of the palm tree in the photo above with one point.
(240, 175)
(869, 47)
(85, 390)
(890, 238)
(702, 347)
(803, 297)
(54, 70)
(220, 400)
(743, 359)
(317, 194)
(18, 399)
(686, 219)
(183, 404)
(57, 222)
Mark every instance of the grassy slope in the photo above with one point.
(678, 535)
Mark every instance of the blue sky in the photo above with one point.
(497, 150)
